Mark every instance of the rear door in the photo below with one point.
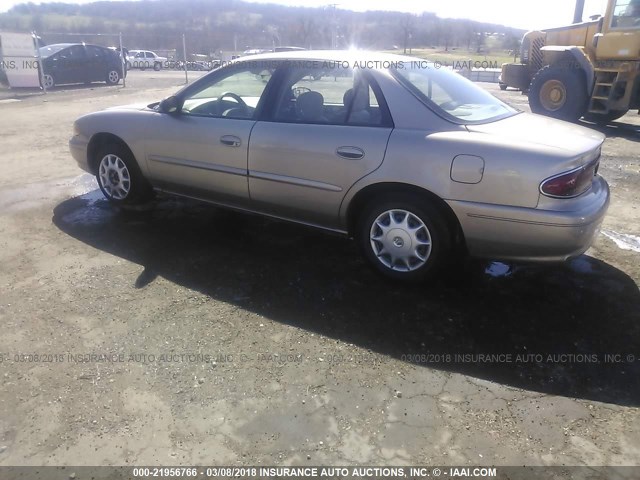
(327, 129)
(97, 63)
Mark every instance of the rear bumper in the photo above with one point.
(78, 146)
(530, 234)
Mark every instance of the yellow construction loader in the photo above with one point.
(587, 69)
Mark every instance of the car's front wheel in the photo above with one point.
(157, 66)
(48, 81)
(404, 237)
(119, 176)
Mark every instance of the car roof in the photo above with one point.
(47, 51)
(61, 45)
(331, 56)
(67, 45)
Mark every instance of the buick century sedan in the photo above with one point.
(414, 162)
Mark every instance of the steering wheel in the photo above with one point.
(237, 98)
(241, 103)
(299, 91)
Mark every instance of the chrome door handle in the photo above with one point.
(230, 140)
(350, 153)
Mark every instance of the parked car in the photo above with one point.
(144, 59)
(288, 49)
(415, 162)
(67, 63)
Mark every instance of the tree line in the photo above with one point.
(235, 25)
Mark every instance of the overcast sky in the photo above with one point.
(516, 13)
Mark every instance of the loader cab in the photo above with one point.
(626, 14)
(620, 39)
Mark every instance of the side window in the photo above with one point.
(94, 52)
(150, 55)
(73, 53)
(140, 55)
(234, 95)
(328, 96)
(431, 89)
(626, 14)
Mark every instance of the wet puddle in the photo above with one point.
(35, 195)
(499, 270)
(96, 210)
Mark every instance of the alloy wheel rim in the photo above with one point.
(113, 76)
(48, 81)
(400, 240)
(114, 177)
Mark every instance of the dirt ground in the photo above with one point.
(190, 335)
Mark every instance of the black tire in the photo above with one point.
(571, 90)
(425, 212)
(157, 66)
(48, 81)
(503, 86)
(113, 77)
(604, 118)
(126, 184)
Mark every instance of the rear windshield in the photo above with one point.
(451, 95)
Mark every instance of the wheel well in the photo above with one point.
(367, 194)
(573, 58)
(98, 141)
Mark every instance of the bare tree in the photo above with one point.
(407, 23)
(480, 41)
(306, 27)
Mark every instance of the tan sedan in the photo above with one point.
(413, 161)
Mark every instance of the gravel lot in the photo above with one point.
(220, 338)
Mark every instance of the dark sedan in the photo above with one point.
(66, 63)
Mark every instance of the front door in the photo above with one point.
(70, 65)
(201, 151)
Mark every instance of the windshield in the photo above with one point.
(52, 49)
(626, 14)
(452, 95)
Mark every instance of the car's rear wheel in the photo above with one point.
(404, 237)
(559, 91)
(119, 176)
(113, 77)
(48, 81)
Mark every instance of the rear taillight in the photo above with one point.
(570, 184)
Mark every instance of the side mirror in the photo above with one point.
(170, 105)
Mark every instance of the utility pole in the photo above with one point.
(334, 25)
